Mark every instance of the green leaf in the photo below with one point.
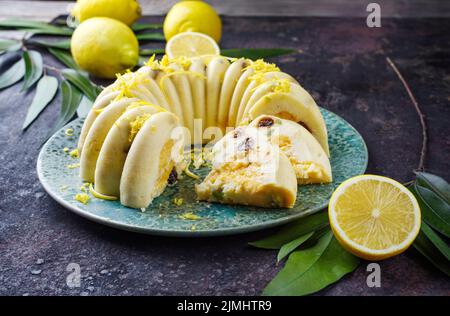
(17, 23)
(138, 27)
(60, 31)
(151, 51)
(82, 83)
(150, 37)
(428, 249)
(436, 240)
(434, 183)
(142, 61)
(84, 107)
(294, 230)
(13, 74)
(71, 98)
(256, 53)
(286, 249)
(34, 67)
(9, 45)
(435, 211)
(310, 270)
(64, 57)
(45, 92)
(62, 44)
(35, 27)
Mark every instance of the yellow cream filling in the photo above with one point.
(165, 166)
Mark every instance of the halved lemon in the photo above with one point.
(191, 44)
(374, 217)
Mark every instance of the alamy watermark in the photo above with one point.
(73, 280)
(374, 277)
(374, 17)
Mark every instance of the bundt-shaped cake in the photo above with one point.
(135, 134)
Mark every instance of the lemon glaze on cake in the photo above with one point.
(221, 93)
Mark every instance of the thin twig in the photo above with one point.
(419, 112)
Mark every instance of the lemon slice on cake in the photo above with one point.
(191, 44)
(374, 217)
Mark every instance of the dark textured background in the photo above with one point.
(342, 63)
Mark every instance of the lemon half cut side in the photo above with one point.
(374, 217)
(191, 44)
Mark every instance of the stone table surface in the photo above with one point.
(343, 64)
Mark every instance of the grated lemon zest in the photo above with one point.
(137, 124)
(278, 85)
(73, 166)
(74, 153)
(82, 197)
(125, 84)
(282, 86)
(190, 216)
(182, 61)
(260, 65)
(66, 149)
(178, 201)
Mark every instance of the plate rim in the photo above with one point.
(181, 233)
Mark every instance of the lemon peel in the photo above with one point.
(189, 173)
(69, 132)
(99, 195)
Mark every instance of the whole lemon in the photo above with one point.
(193, 16)
(104, 47)
(127, 11)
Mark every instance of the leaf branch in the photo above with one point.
(423, 123)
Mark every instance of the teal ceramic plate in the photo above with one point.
(163, 217)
